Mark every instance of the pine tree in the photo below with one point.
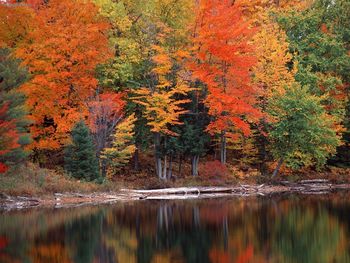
(11, 77)
(80, 158)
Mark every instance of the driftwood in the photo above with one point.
(319, 186)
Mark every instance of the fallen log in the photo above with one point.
(314, 181)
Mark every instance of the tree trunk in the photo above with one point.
(103, 168)
(262, 144)
(275, 172)
(223, 148)
(170, 169)
(136, 160)
(165, 168)
(195, 160)
(158, 159)
(180, 165)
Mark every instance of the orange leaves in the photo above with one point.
(16, 21)
(224, 58)
(62, 53)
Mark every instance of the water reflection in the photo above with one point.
(280, 229)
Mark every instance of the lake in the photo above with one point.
(282, 228)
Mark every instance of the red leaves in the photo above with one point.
(223, 62)
(3, 168)
(213, 169)
(107, 108)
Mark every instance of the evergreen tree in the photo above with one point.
(80, 158)
(11, 77)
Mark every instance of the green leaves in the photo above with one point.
(303, 133)
(12, 75)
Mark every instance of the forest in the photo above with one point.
(99, 90)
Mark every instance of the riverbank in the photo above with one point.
(71, 199)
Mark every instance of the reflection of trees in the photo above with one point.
(119, 242)
(233, 230)
(52, 252)
(303, 235)
(33, 233)
(185, 239)
(82, 237)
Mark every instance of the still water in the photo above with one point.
(292, 228)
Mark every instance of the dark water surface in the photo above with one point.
(264, 229)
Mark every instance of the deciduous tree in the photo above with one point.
(62, 52)
(319, 40)
(122, 148)
(223, 60)
(16, 21)
(162, 105)
(303, 134)
(105, 112)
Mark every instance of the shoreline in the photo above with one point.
(71, 199)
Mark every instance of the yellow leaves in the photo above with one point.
(122, 147)
(161, 100)
(161, 109)
(271, 73)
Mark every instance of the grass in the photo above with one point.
(31, 180)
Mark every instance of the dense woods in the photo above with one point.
(91, 86)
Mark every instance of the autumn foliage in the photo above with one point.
(61, 53)
(223, 60)
(213, 169)
(175, 80)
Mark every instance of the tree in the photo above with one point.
(61, 53)
(106, 111)
(122, 147)
(8, 136)
(272, 73)
(303, 133)
(80, 157)
(319, 40)
(222, 61)
(120, 69)
(14, 116)
(192, 140)
(162, 108)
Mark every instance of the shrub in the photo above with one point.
(212, 169)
